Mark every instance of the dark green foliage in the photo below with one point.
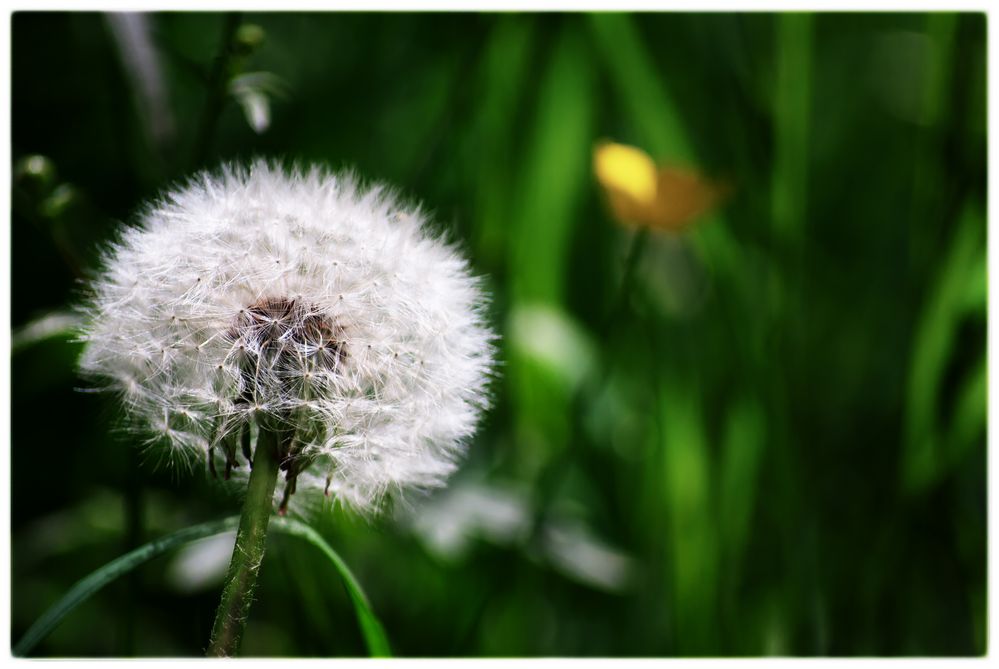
(775, 443)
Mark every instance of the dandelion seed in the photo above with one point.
(251, 324)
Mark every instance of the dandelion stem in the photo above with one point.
(248, 553)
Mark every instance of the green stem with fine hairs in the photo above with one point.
(248, 553)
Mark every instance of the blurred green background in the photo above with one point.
(765, 435)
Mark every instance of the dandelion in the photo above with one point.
(301, 307)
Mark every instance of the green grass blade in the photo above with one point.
(552, 184)
(792, 108)
(555, 175)
(688, 501)
(928, 163)
(87, 586)
(741, 458)
(639, 87)
(970, 413)
(371, 628)
(925, 453)
(52, 325)
(941, 27)
(491, 144)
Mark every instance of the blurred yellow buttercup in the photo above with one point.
(642, 193)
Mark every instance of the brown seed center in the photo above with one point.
(281, 343)
(283, 327)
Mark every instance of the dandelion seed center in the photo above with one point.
(280, 345)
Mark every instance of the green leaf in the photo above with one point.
(970, 413)
(639, 88)
(371, 627)
(55, 324)
(742, 455)
(88, 585)
(792, 108)
(491, 148)
(555, 175)
(689, 498)
(956, 291)
(551, 187)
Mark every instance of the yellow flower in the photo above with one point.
(644, 194)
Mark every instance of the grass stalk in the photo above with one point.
(217, 83)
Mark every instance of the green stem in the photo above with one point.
(558, 468)
(248, 553)
(789, 309)
(620, 303)
(217, 82)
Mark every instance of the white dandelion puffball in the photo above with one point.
(305, 300)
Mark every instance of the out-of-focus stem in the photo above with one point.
(556, 469)
(217, 81)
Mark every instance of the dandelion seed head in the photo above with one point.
(304, 297)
